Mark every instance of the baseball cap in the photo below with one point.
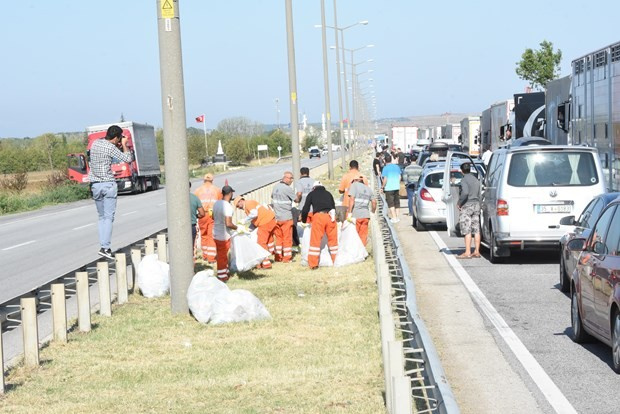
(227, 190)
(208, 177)
(317, 184)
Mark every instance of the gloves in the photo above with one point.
(332, 215)
(210, 212)
(242, 229)
(350, 218)
(304, 225)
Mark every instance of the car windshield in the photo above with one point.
(552, 168)
(435, 179)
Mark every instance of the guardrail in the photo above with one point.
(414, 378)
(96, 279)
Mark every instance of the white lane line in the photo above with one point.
(161, 204)
(85, 225)
(131, 212)
(40, 216)
(19, 245)
(544, 383)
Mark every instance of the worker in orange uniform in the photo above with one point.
(223, 227)
(362, 202)
(323, 222)
(264, 220)
(346, 181)
(282, 198)
(208, 194)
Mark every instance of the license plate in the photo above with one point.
(553, 208)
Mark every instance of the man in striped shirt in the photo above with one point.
(103, 185)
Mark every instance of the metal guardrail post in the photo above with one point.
(1, 362)
(397, 368)
(30, 330)
(59, 312)
(149, 247)
(83, 301)
(136, 257)
(162, 248)
(103, 280)
(121, 278)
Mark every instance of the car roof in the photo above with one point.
(534, 148)
(609, 197)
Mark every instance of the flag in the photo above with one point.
(200, 118)
(345, 120)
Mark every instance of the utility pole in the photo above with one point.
(292, 85)
(175, 146)
(330, 155)
(343, 161)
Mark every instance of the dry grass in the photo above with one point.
(320, 353)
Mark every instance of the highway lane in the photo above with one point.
(525, 292)
(37, 247)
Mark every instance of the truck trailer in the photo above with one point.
(404, 137)
(500, 123)
(558, 93)
(470, 134)
(138, 176)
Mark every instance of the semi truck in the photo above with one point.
(470, 134)
(500, 123)
(404, 137)
(138, 176)
(558, 93)
(528, 116)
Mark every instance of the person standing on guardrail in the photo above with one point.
(223, 227)
(390, 184)
(322, 204)
(346, 181)
(102, 182)
(303, 186)
(282, 198)
(264, 220)
(469, 215)
(208, 194)
(361, 204)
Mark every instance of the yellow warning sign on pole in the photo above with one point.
(167, 9)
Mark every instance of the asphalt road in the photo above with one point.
(40, 246)
(525, 292)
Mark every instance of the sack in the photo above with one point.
(211, 301)
(325, 259)
(245, 253)
(350, 247)
(153, 277)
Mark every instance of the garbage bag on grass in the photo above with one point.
(211, 301)
(153, 277)
(325, 259)
(350, 247)
(245, 253)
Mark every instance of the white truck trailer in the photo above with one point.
(470, 134)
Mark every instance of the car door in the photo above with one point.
(589, 263)
(604, 275)
(585, 222)
(450, 193)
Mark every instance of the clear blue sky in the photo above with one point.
(67, 64)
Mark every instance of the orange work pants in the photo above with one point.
(322, 224)
(265, 240)
(361, 224)
(222, 248)
(206, 238)
(284, 241)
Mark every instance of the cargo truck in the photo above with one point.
(138, 176)
(470, 134)
(404, 137)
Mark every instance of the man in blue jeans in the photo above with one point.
(102, 181)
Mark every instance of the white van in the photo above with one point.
(527, 190)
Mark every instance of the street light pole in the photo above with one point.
(175, 148)
(346, 94)
(330, 155)
(343, 161)
(278, 113)
(292, 85)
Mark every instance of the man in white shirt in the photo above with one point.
(486, 155)
(222, 230)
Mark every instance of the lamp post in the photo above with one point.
(353, 68)
(278, 113)
(330, 156)
(292, 84)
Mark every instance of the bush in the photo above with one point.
(13, 203)
(56, 179)
(16, 182)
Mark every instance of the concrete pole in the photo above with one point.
(149, 247)
(83, 301)
(121, 278)
(353, 80)
(162, 248)
(346, 94)
(175, 147)
(1, 362)
(59, 312)
(343, 161)
(103, 280)
(330, 155)
(30, 331)
(136, 257)
(292, 85)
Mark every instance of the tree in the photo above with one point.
(539, 66)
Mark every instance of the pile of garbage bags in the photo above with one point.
(153, 276)
(350, 247)
(211, 301)
(245, 252)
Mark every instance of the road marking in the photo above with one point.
(19, 245)
(85, 225)
(131, 212)
(544, 383)
(161, 204)
(40, 215)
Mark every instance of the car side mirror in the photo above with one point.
(568, 221)
(576, 245)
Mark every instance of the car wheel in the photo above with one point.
(493, 257)
(615, 342)
(578, 335)
(419, 226)
(564, 282)
(155, 183)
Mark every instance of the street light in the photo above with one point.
(330, 156)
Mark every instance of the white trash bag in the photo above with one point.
(350, 247)
(245, 254)
(153, 277)
(325, 260)
(211, 301)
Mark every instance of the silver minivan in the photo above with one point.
(527, 190)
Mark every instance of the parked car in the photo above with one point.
(527, 190)
(314, 152)
(595, 283)
(580, 228)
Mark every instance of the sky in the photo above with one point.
(68, 64)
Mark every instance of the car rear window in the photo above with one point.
(435, 179)
(552, 168)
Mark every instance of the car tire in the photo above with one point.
(578, 335)
(493, 257)
(564, 282)
(419, 226)
(155, 183)
(615, 342)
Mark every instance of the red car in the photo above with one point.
(595, 284)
